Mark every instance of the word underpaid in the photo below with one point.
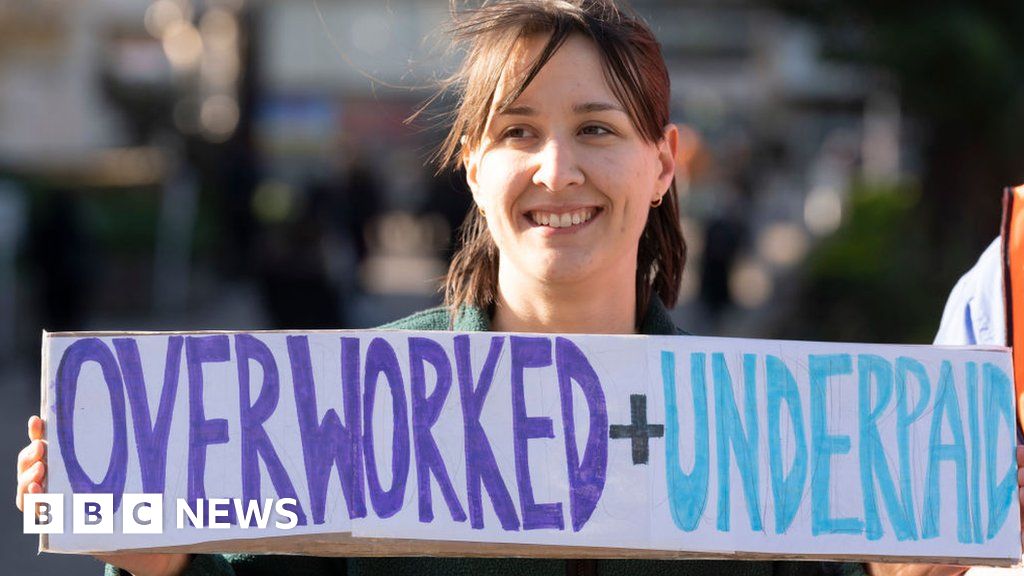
(677, 443)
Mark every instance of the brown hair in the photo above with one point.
(636, 73)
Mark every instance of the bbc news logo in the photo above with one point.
(144, 513)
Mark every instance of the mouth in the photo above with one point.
(559, 219)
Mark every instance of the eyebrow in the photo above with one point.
(597, 107)
(586, 107)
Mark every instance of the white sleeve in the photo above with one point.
(974, 312)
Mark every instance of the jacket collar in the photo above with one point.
(657, 320)
(472, 319)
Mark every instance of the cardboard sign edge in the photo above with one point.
(44, 402)
(344, 544)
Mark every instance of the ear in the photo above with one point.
(668, 146)
(470, 161)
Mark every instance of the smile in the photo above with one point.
(562, 219)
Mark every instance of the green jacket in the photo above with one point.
(657, 321)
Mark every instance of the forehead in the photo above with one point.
(577, 65)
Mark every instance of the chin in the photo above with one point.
(563, 270)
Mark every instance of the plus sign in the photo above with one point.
(639, 431)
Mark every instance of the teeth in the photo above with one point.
(562, 220)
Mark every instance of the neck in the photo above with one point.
(571, 308)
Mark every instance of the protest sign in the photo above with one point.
(491, 444)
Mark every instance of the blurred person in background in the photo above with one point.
(64, 276)
(723, 238)
(297, 289)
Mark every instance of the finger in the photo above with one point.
(19, 498)
(33, 488)
(1020, 477)
(29, 455)
(34, 473)
(35, 428)
(1020, 456)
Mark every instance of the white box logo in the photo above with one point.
(142, 514)
(93, 514)
(43, 514)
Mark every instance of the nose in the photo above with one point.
(557, 166)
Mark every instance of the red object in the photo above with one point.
(1013, 285)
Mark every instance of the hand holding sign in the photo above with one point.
(32, 476)
(31, 468)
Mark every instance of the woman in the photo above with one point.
(563, 131)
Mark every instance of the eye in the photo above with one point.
(516, 133)
(594, 130)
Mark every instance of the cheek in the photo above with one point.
(628, 182)
(633, 180)
(498, 179)
(498, 190)
(636, 216)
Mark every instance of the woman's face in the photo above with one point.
(563, 177)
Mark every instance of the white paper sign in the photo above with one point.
(657, 443)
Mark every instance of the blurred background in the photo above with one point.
(245, 164)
